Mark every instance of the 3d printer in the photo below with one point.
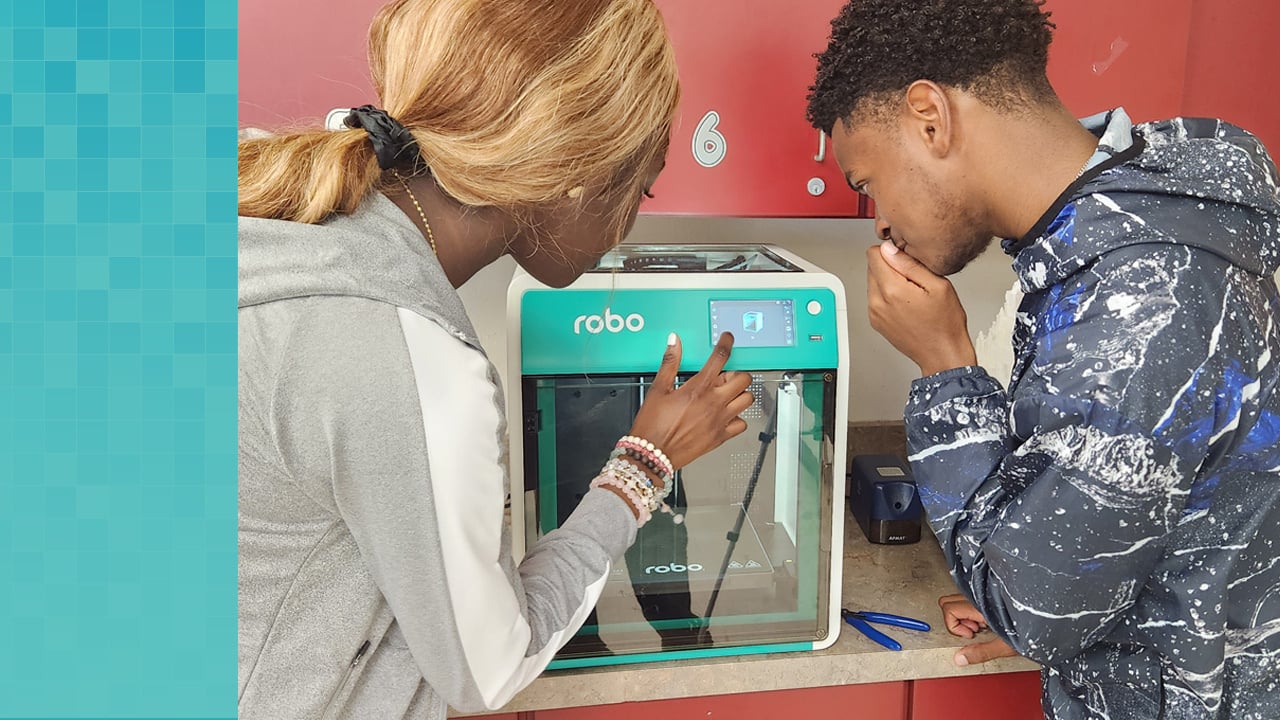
(755, 565)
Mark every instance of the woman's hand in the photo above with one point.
(687, 422)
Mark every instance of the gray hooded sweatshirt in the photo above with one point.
(1115, 514)
(375, 574)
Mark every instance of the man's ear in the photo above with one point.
(928, 116)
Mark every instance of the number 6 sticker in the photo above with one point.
(708, 143)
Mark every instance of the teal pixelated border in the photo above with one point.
(117, 358)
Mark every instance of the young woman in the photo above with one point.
(375, 571)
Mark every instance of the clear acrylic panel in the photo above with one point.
(742, 562)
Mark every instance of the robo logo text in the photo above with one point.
(673, 567)
(596, 324)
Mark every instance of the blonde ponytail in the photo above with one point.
(512, 104)
(306, 176)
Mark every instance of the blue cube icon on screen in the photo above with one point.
(753, 321)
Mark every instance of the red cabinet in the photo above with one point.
(741, 144)
(1231, 66)
(882, 701)
(1008, 696)
(746, 67)
(299, 60)
(1133, 53)
(1164, 58)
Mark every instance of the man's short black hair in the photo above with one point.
(995, 49)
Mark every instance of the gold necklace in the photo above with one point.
(431, 238)
(1084, 167)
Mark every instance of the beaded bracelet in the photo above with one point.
(654, 498)
(641, 495)
(643, 460)
(625, 471)
(647, 451)
(641, 508)
(648, 460)
(635, 486)
(647, 448)
(638, 502)
(628, 471)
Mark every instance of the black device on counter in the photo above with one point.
(884, 501)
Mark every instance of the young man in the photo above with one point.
(1114, 514)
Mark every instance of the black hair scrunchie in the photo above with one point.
(393, 144)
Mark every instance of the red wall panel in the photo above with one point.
(1232, 65)
(299, 59)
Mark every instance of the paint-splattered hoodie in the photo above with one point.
(1115, 514)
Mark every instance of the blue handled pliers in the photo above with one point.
(860, 621)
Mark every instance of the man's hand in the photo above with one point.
(916, 311)
(963, 620)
